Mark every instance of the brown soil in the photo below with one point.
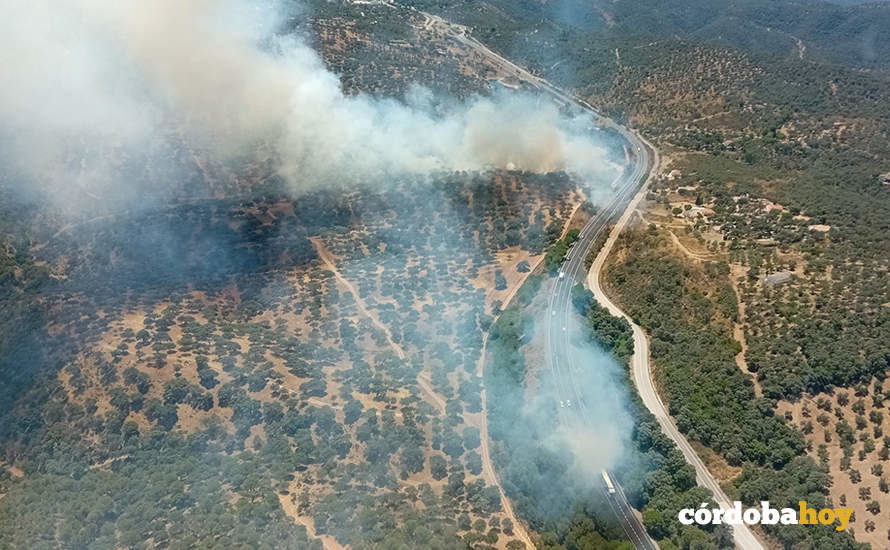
(736, 274)
(841, 479)
(289, 506)
(16, 472)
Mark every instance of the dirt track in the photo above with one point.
(330, 263)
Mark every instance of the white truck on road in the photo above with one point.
(608, 481)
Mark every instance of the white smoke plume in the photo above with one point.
(595, 426)
(126, 74)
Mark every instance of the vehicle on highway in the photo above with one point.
(608, 481)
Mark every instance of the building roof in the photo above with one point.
(778, 277)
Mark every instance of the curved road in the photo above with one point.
(566, 365)
(563, 321)
(642, 374)
(643, 159)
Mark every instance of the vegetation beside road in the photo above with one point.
(777, 120)
(537, 479)
(712, 401)
(658, 480)
(556, 254)
(655, 476)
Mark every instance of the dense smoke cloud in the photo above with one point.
(90, 80)
(593, 428)
(562, 424)
(597, 430)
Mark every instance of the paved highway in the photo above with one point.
(743, 536)
(624, 185)
(565, 366)
(643, 160)
(560, 359)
